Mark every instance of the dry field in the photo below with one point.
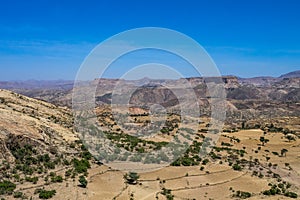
(216, 181)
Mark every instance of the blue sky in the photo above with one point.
(50, 39)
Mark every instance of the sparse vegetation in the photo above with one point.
(280, 189)
(131, 178)
(19, 195)
(242, 195)
(81, 166)
(167, 193)
(48, 161)
(131, 142)
(191, 156)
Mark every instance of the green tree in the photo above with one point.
(83, 182)
(45, 194)
(131, 178)
(7, 187)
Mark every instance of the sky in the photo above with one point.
(50, 39)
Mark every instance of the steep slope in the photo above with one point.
(22, 115)
(38, 148)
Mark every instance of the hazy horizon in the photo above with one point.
(65, 80)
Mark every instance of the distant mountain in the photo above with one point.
(295, 74)
(259, 81)
(35, 84)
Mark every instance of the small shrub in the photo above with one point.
(56, 179)
(236, 167)
(83, 182)
(45, 194)
(291, 195)
(7, 187)
(18, 195)
(242, 195)
(132, 177)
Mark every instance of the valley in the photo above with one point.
(254, 156)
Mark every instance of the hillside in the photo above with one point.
(40, 152)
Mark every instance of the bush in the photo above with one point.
(291, 195)
(7, 187)
(81, 166)
(86, 155)
(242, 195)
(205, 161)
(83, 182)
(45, 194)
(49, 165)
(167, 193)
(269, 192)
(56, 179)
(187, 161)
(214, 156)
(237, 167)
(176, 163)
(18, 195)
(68, 173)
(132, 177)
(226, 144)
(33, 180)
